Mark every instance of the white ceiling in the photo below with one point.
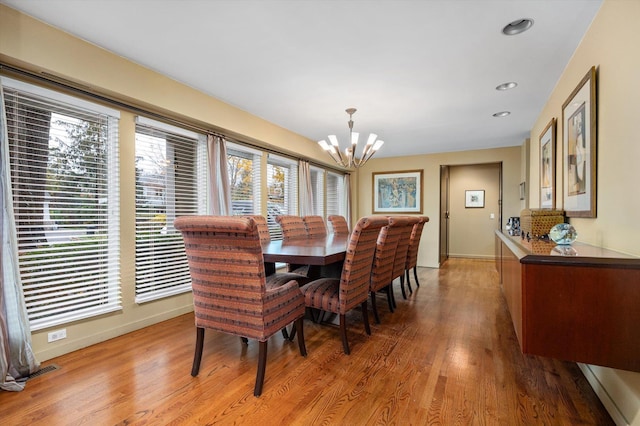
(422, 74)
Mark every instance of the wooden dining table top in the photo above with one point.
(308, 251)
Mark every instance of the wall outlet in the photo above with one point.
(57, 335)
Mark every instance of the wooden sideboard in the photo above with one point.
(577, 304)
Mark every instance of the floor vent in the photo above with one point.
(45, 370)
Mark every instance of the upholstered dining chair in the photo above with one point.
(230, 290)
(412, 251)
(401, 254)
(274, 277)
(340, 295)
(293, 228)
(315, 226)
(339, 224)
(383, 260)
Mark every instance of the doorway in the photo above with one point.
(467, 226)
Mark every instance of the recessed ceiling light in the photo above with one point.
(502, 114)
(507, 86)
(517, 27)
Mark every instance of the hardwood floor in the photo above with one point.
(448, 355)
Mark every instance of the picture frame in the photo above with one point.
(579, 148)
(397, 192)
(548, 166)
(474, 199)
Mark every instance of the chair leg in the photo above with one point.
(406, 273)
(285, 335)
(415, 275)
(365, 317)
(244, 340)
(404, 295)
(197, 356)
(262, 365)
(374, 308)
(390, 297)
(298, 326)
(343, 333)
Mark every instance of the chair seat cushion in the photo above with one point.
(281, 278)
(322, 294)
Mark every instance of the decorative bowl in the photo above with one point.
(563, 233)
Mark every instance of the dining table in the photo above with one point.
(325, 255)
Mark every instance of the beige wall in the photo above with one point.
(471, 230)
(430, 164)
(612, 45)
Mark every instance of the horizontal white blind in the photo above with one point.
(244, 179)
(282, 191)
(63, 156)
(170, 182)
(317, 190)
(335, 194)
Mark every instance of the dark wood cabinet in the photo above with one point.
(581, 303)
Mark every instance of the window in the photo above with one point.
(171, 181)
(63, 155)
(282, 191)
(317, 190)
(244, 176)
(336, 201)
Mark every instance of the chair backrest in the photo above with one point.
(414, 242)
(385, 255)
(356, 271)
(338, 224)
(263, 228)
(292, 227)
(227, 273)
(403, 247)
(315, 226)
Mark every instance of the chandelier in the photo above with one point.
(349, 158)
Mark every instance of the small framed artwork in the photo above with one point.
(474, 199)
(548, 166)
(579, 149)
(397, 192)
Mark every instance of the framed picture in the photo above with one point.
(579, 149)
(397, 192)
(474, 199)
(548, 166)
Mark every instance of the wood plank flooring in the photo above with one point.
(447, 356)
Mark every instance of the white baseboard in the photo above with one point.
(101, 336)
(603, 395)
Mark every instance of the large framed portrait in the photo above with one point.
(548, 166)
(397, 192)
(579, 146)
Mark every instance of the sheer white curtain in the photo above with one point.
(17, 360)
(306, 191)
(219, 189)
(347, 195)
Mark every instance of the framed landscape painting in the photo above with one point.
(397, 192)
(579, 149)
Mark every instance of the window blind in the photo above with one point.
(317, 189)
(63, 155)
(336, 203)
(282, 188)
(171, 181)
(245, 177)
